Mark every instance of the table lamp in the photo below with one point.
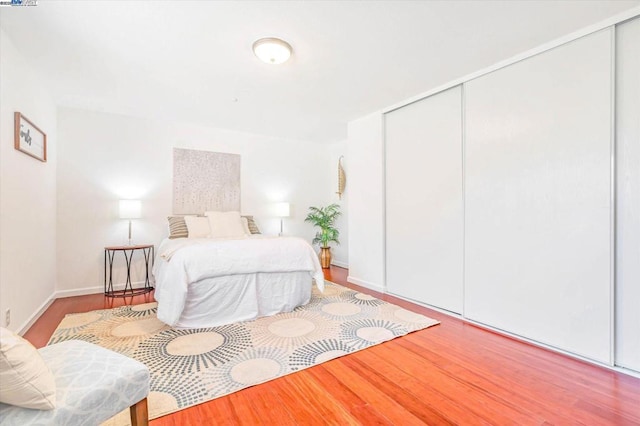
(130, 209)
(282, 210)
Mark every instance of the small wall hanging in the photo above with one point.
(28, 138)
(342, 179)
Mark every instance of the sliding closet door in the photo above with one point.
(628, 195)
(423, 146)
(538, 197)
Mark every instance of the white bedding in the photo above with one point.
(240, 274)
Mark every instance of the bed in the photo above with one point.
(208, 282)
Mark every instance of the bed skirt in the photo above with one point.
(224, 300)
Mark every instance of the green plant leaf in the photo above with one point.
(324, 218)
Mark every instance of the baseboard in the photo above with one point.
(426, 305)
(366, 284)
(91, 290)
(340, 264)
(627, 371)
(79, 292)
(34, 317)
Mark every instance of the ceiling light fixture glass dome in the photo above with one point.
(272, 50)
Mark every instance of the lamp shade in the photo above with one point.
(272, 50)
(130, 209)
(281, 209)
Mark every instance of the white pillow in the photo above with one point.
(198, 226)
(226, 224)
(25, 379)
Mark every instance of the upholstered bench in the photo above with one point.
(92, 384)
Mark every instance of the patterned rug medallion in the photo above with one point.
(192, 366)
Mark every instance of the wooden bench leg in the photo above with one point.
(139, 413)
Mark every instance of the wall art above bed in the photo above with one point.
(205, 181)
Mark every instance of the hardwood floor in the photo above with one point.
(453, 373)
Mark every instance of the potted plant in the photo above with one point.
(324, 218)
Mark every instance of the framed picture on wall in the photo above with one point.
(29, 138)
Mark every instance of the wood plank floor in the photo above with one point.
(453, 373)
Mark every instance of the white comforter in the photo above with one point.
(184, 261)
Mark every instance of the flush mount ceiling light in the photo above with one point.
(272, 50)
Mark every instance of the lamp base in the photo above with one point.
(129, 240)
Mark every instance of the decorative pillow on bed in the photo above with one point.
(198, 226)
(177, 227)
(252, 226)
(225, 224)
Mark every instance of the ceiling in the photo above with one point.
(191, 61)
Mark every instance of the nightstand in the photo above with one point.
(109, 253)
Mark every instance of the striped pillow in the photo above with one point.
(177, 227)
(253, 226)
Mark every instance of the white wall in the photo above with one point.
(106, 157)
(366, 203)
(27, 194)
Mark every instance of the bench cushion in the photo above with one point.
(93, 384)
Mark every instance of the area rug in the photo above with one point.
(189, 367)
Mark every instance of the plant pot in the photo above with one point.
(325, 257)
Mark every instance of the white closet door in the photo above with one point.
(628, 195)
(423, 147)
(538, 197)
